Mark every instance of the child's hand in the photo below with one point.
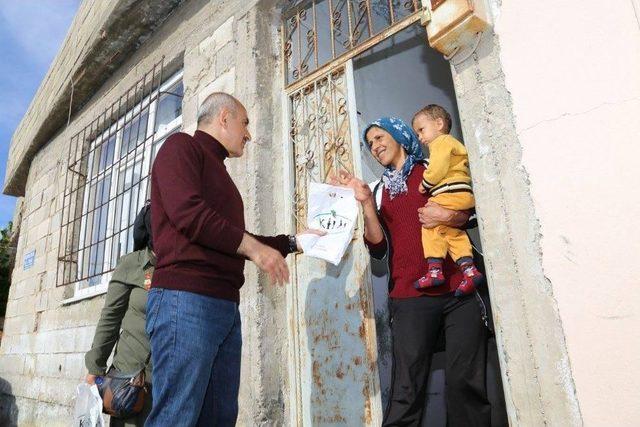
(421, 189)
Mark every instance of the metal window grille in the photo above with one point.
(317, 32)
(107, 179)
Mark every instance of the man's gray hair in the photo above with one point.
(213, 105)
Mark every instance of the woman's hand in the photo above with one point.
(91, 379)
(364, 195)
(361, 189)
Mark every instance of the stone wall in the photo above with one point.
(234, 46)
(224, 46)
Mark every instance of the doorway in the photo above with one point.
(340, 352)
(397, 77)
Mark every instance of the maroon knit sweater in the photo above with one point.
(407, 263)
(197, 219)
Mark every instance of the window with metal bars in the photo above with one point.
(108, 178)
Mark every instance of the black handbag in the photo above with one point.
(123, 395)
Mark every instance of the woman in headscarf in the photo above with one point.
(123, 318)
(392, 229)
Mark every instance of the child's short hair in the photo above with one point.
(434, 111)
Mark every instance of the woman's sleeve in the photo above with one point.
(108, 329)
(377, 250)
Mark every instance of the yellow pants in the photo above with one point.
(436, 242)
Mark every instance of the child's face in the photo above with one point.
(427, 128)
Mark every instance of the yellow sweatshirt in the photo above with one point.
(448, 168)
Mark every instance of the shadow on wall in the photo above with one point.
(8, 407)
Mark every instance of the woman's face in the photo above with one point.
(384, 148)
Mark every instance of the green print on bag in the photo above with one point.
(332, 223)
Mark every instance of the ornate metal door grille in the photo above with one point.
(332, 320)
(320, 133)
(321, 36)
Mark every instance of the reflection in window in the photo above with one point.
(99, 193)
(103, 155)
(169, 108)
(134, 133)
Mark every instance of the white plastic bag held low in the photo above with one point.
(88, 409)
(334, 210)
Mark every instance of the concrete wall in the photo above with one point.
(42, 351)
(536, 370)
(576, 116)
(563, 302)
(549, 105)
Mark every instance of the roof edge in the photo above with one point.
(102, 36)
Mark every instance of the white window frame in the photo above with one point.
(82, 288)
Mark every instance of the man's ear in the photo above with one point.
(223, 117)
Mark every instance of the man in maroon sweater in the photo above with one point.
(418, 316)
(201, 245)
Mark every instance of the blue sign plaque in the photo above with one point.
(29, 259)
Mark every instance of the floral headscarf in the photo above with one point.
(395, 181)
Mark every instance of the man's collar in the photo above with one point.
(208, 142)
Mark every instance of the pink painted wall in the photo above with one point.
(573, 70)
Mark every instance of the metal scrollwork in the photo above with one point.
(287, 50)
(344, 23)
(342, 106)
(320, 134)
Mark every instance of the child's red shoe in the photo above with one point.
(435, 276)
(472, 278)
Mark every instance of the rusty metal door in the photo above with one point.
(333, 350)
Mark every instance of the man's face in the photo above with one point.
(236, 126)
(427, 128)
(384, 148)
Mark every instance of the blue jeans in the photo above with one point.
(195, 351)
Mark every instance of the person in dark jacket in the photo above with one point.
(122, 321)
(202, 244)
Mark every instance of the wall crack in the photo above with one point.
(563, 115)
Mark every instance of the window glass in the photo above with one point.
(118, 184)
(169, 108)
(134, 133)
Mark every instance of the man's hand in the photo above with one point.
(308, 231)
(421, 189)
(266, 258)
(271, 262)
(361, 189)
(90, 379)
(432, 215)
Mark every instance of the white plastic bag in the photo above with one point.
(88, 408)
(334, 210)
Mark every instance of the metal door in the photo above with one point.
(333, 369)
